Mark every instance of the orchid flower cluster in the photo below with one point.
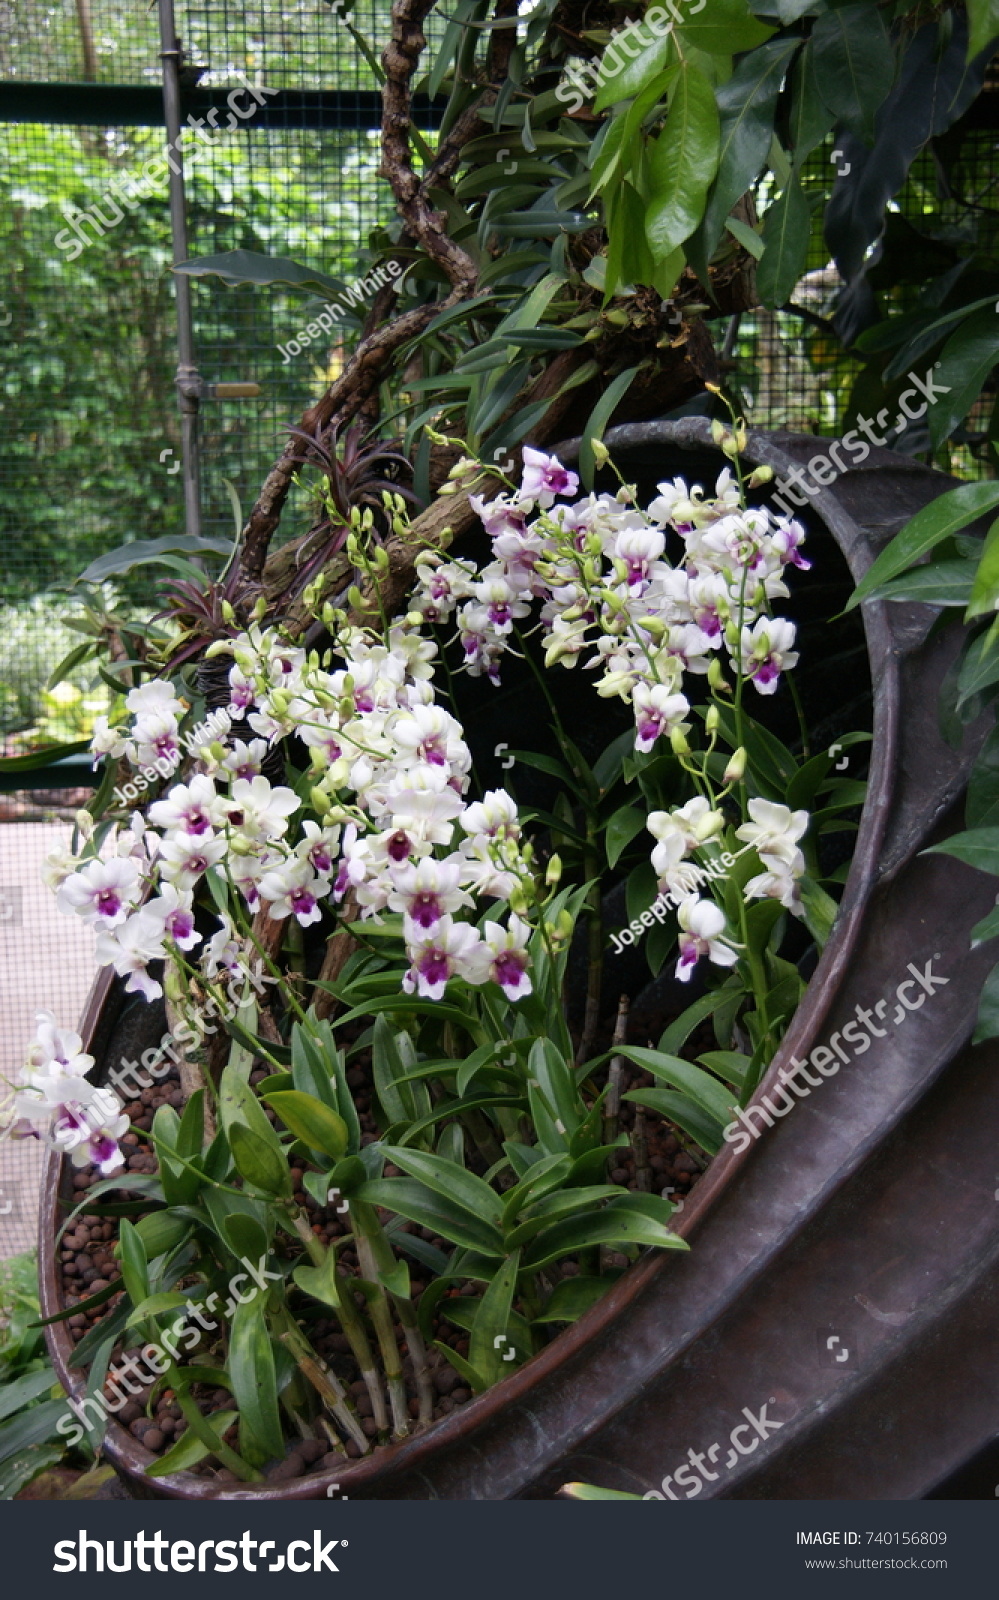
(56, 1099)
(598, 566)
(390, 771)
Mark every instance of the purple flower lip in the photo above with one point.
(196, 821)
(165, 746)
(426, 910)
(649, 727)
(363, 701)
(197, 864)
(499, 614)
(103, 1149)
(108, 902)
(180, 924)
(321, 859)
(399, 846)
(509, 969)
(302, 900)
(433, 966)
(236, 819)
(766, 673)
(433, 754)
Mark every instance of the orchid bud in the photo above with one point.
(414, 619)
(736, 768)
(217, 750)
(280, 702)
(228, 614)
(553, 872)
(760, 475)
(718, 431)
(563, 926)
(518, 900)
(320, 802)
(601, 454)
(85, 824)
(448, 488)
(259, 611)
(732, 635)
(654, 625)
(678, 739)
(355, 597)
(711, 720)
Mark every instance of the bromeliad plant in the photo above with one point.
(385, 915)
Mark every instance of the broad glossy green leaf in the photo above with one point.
(678, 1032)
(811, 118)
(939, 583)
(983, 17)
(321, 1282)
(134, 1266)
(965, 362)
(982, 805)
(985, 588)
(705, 1090)
(311, 1121)
(746, 105)
(599, 418)
(977, 847)
(254, 1382)
(609, 1226)
(452, 1181)
(570, 1298)
(31, 1427)
(418, 1203)
(855, 65)
(980, 667)
(21, 1391)
(722, 27)
(260, 1161)
(250, 266)
(928, 528)
(786, 232)
(623, 77)
(189, 1449)
(621, 829)
(155, 1304)
(683, 160)
(490, 1343)
(140, 552)
(985, 930)
(681, 1109)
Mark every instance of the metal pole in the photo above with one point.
(188, 380)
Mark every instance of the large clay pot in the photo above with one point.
(865, 1217)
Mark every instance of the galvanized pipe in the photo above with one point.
(188, 379)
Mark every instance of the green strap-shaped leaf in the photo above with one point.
(448, 1179)
(983, 17)
(787, 227)
(746, 105)
(490, 1343)
(942, 517)
(682, 162)
(855, 65)
(254, 1383)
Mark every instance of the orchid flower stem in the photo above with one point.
(326, 1384)
(381, 1317)
(348, 1315)
(367, 1225)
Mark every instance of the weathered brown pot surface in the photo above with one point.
(869, 1211)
